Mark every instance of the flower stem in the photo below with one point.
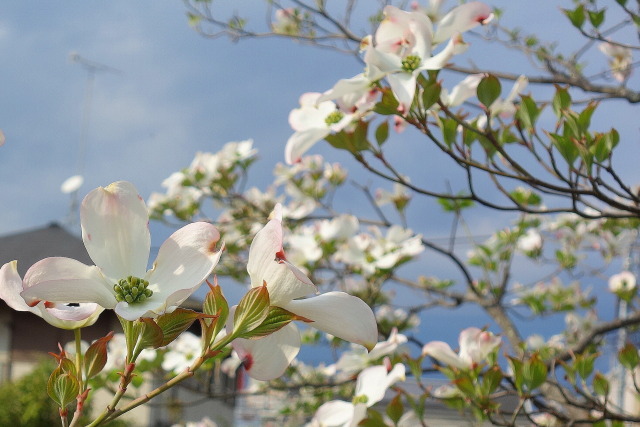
(77, 334)
(78, 338)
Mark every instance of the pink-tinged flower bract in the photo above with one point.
(60, 315)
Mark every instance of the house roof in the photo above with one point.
(29, 247)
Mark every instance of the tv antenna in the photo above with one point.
(72, 184)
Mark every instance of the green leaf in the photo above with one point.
(374, 419)
(216, 304)
(489, 90)
(176, 322)
(576, 16)
(277, 319)
(193, 19)
(565, 146)
(561, 101)
(491, 380)
(534, 372)
(628, 356)
(252, 310)
(596, 18)
(431, 94)
(526, 197)
(468, 135)
(449, 128)
(382, 133)
(584, 365)
(600, 384)
(584, 119)
(96, 356)
(528, 113)
(62, 387)
(395, 409)
(359, 135)
(338, 140)
(455, 205)
(388, 104)
(465, 385)
(354, 141)
(67, 366)
(149, 332)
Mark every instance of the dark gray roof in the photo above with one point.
(31, 246)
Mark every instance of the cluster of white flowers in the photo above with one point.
(387, 315)
(623, 284)
(286, 21)
(577, 326)
(620, 60)
(209, 174)
(371, 386)
(530, 242)
(536, 342)
(552, 296)
(575, 233)
(399, 197)
(402, 48)
(117, 353)
(369, 253)
(356, 359)
(476, 346)
(182, 352)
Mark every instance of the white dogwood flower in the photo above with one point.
(115, 232)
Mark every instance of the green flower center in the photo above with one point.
(132, 290)
(360, 399)
(334, 118)
(411, 63)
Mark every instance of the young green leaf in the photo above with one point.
(174, 323)
(489, 90)
(395, 409)
(277, 319)
(96, 356)
(576, 16)
(252, 310)
(382, 133)
(216, 304)
(62, 387)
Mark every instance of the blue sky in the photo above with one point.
(178, 93)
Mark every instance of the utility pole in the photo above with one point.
(632, 264)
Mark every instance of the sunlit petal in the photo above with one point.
(339, 314)
(270, 356)
(65, 280)
(301, 141)
(267, 263)
(334, 413)
(442, 352)
(461, 19)
(11, 286)
(184, 261)
(115, 230)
